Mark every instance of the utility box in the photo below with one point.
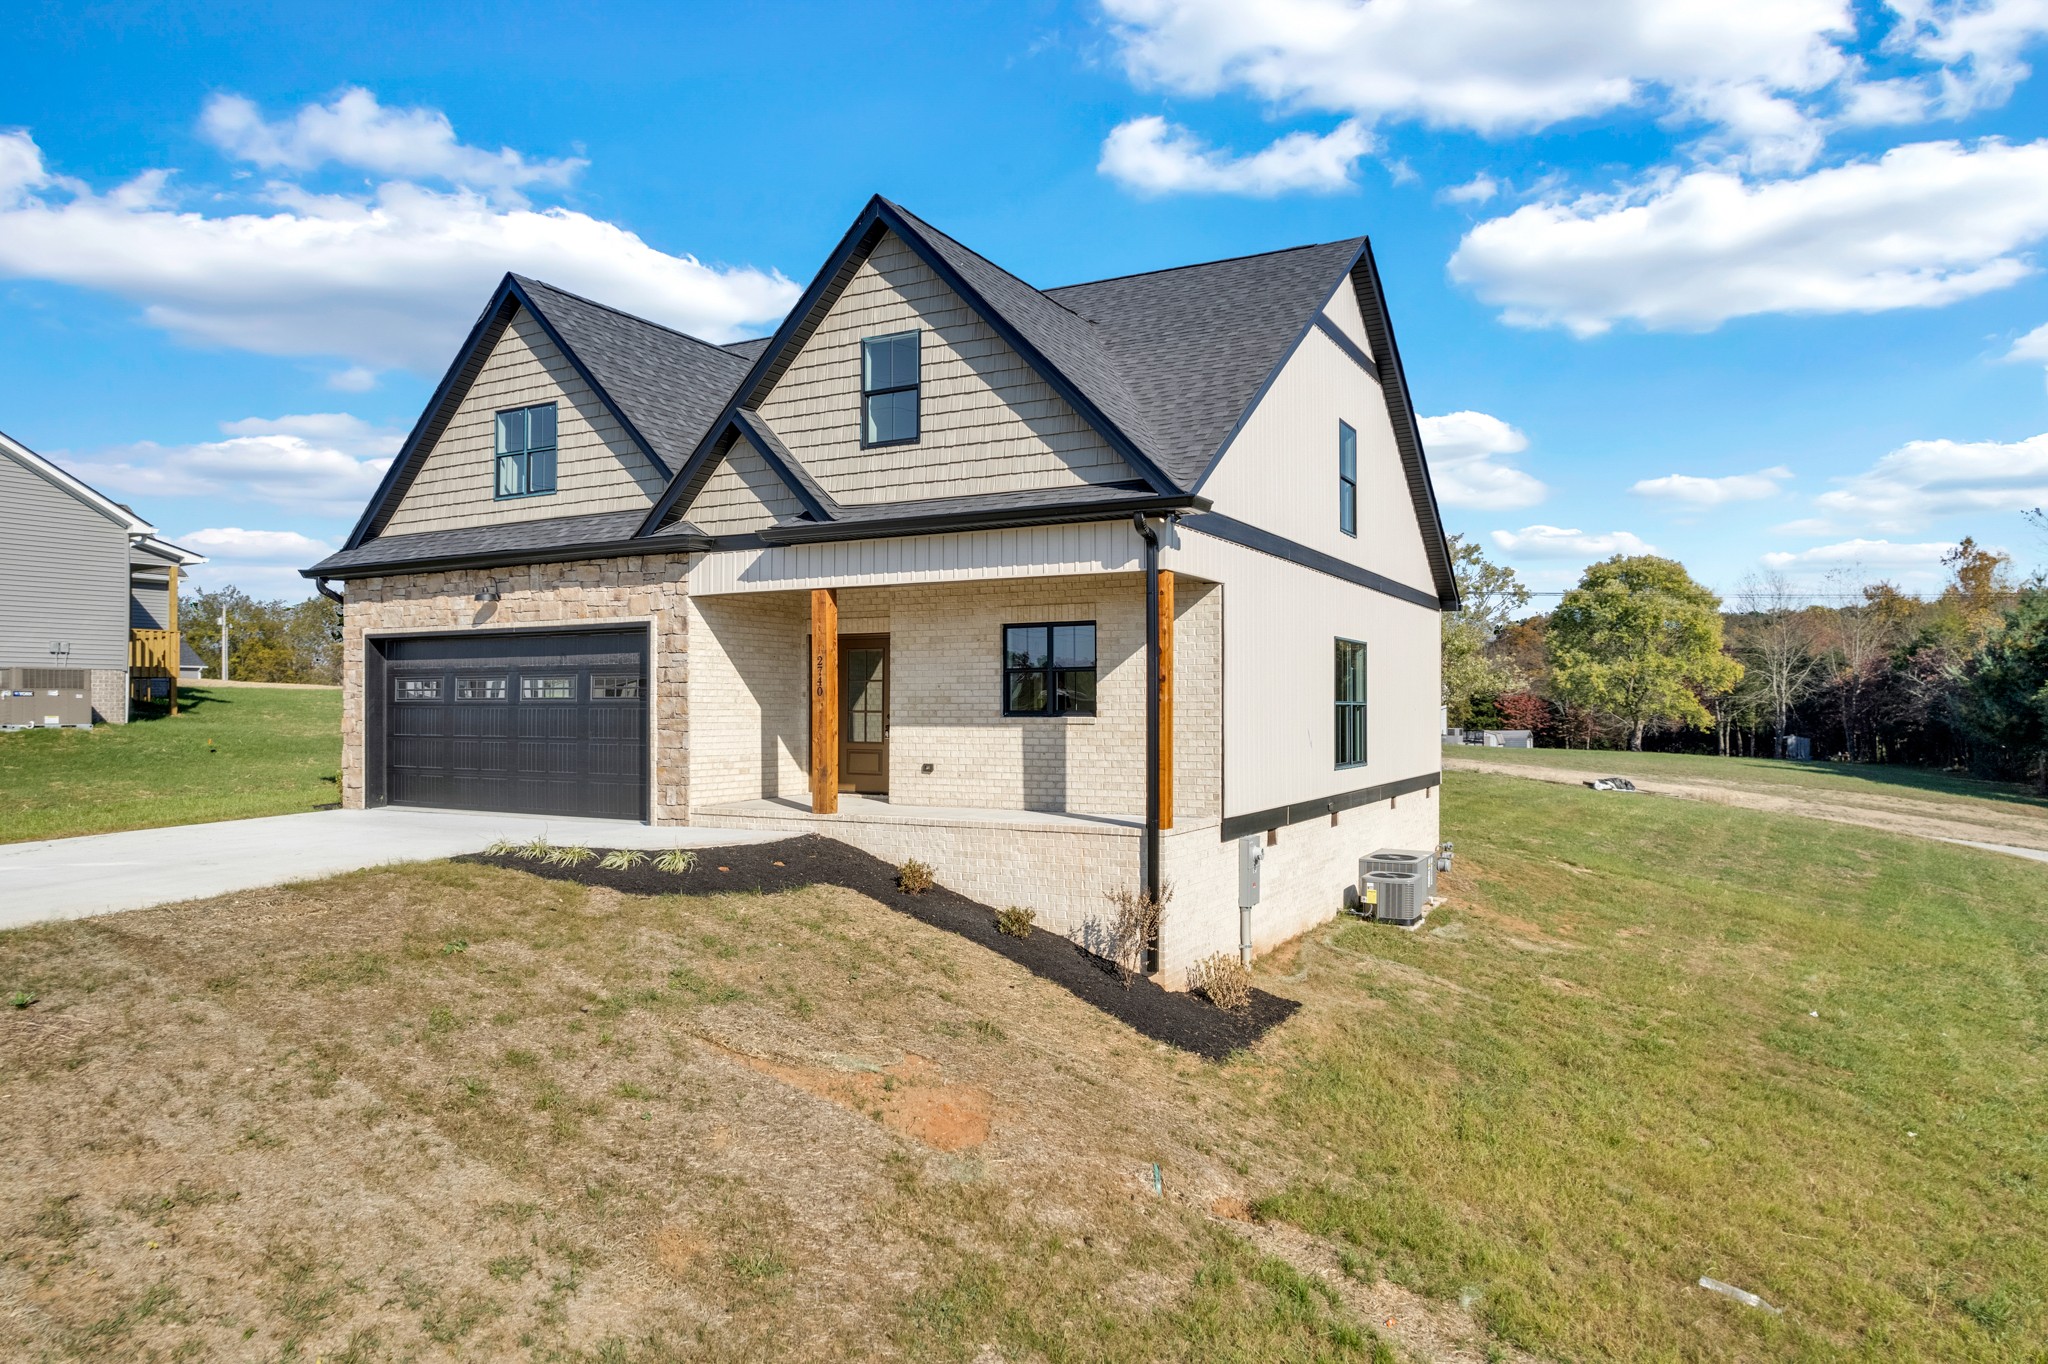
(56, 697)
(1251, 856)
(1796, 747)
(1395, 897)
(1421, 864)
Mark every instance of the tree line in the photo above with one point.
(1639, 655)
(268, 641)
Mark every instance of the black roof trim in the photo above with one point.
(1379, 331)
(776, 455)
(983, 517)
(525, 297)
(1251, 537)
(1328, 327)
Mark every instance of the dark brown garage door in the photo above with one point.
(545, 724)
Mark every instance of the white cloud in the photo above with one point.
(2032, 346)
(1924, 225)
(1977, 43)
(1477, 190)
(1929, 478)
(325, 463)
(285, 547)
(1505, 66)
(354, 379)
(1714, 492)
(355, 130)
(1464, 450)
(392, 278)
(1865, 554)
(1153, 156)
(1556, 542)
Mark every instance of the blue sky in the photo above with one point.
(1756, 283)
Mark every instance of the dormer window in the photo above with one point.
(526, 451)
(889, 388)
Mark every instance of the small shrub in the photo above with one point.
(676, 860)
(1224, 980)
(916, 877)
(622, 859)
(502, 847)
(1015, 921)
(536, 851)
(575, 855)
(1134, 927)
(21, 999)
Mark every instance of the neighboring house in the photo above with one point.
(85, 584)
(900, 574)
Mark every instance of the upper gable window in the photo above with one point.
(526, 451)
(889, 388)
(1347, 479)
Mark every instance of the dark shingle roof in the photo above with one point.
(515, 537)
(1194, 345)
(749, 350)
(668, 384)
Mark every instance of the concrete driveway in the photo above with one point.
(73, 878)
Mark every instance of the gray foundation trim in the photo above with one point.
(1280, 547)
(1237, 826)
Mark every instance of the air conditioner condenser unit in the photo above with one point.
(1395, 897)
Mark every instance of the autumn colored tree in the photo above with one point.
(1639, 641)
(1490, 593)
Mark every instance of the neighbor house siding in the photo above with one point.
(742, 495)
(989, 423)
(63, 577)
(598, 467)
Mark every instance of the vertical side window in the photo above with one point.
(526, 451)
(1347, 479)
(889, 379)
(1350, 703)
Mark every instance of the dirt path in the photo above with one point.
(2018, 830)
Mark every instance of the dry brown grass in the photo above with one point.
(454, 1111)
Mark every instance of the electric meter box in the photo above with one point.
(1251, 854)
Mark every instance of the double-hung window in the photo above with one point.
(1347, 479)
(526, 451)
(889, 388)
(1350, 703)
(1049, 669)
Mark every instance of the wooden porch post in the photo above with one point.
(177, 640)
(1165, 684)
(825, 701)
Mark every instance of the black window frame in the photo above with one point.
(1049, 670)
(402, 681)
(869, 392)
(1345, 708)
(1347, 479)
(522, 458)
(483, 680)
(530, 687)
(631, 686)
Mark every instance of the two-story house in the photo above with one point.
(88, 589)
(1061, 591)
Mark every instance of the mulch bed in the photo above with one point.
(1181, 1020)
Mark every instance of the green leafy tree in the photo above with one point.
(2007, 700)
(1640, 642)
(268, 641)
(1491, 593)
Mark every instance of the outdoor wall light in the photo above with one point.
(488, 594)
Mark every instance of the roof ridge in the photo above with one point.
(621, 312)
(991, 264)
(1199, 264)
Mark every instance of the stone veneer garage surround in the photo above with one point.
(634, 589)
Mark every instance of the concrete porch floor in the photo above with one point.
(879, 810)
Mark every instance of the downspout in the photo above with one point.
(320, 586)
(1148, 878)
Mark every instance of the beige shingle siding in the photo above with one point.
(597, 466)
(743, 494)
(988, 422)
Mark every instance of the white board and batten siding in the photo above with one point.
(1281, 624)
(63, 576)
(1280, 474)
(1025, 552)
(597, 466)
(990, 424)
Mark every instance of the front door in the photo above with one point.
(864, 713)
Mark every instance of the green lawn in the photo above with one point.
(1652, 1040)
(234, 753)
(1762, 773)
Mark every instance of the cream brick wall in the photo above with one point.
(989, 423)
(1304, 881)
(637, 588)
(747, 679)
(597, 466)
